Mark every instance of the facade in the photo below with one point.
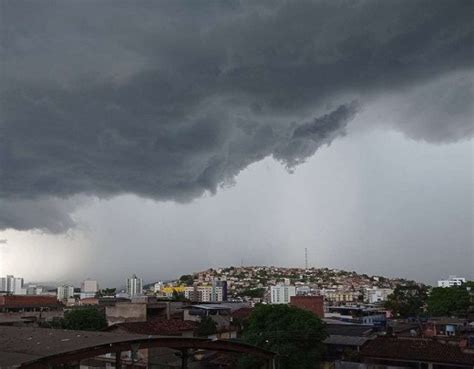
(281, 294)
(341, 296)
(134, 286)
(212, 293)
(65, 292)
(12, 285)
(315, 304)
(89, 289)
(375, 295)
(452, 281)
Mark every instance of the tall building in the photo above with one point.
(134, 286)
(65, 292)
(452, 281)
(89, 288)
(3, 284)
(281, 294)
(10, 284)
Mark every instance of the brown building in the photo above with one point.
(29, 309)
(20, 303)
(315, 304)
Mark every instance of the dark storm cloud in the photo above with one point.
(171, 99)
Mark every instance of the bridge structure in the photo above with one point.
(42, 348)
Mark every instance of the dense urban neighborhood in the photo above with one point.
(334, 317)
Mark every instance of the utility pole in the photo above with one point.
(306, 258)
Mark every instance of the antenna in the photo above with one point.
(306, 258)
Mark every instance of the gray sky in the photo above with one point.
(165, 137)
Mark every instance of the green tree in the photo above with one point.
(296, 335)
(253, 292)
(407, 300)
(449, 301)
(87, 319)
(206, 327)
(107, 292)
(187, 279)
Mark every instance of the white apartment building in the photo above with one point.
(65, 292)
(33, 289)
(134, 286)
(89, 288)
(281, 294)
(451, 281)
(12, 285)
(374, 295)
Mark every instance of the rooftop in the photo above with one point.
(416, 349)
(156, 327)
(208, 307)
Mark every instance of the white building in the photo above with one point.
(65, 292)
(134, 286)
(281, 294)
(89, 288)
(33, 289)
(12, 285)
(374, 295)
(452, 281)
(158, 286)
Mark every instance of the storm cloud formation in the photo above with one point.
(168, 100)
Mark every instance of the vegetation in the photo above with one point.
(253, 292)
(452, 301)
(407, 300)
(84, 319)
(295, 334)
(187, 279)
(107, 292)
(206, 327)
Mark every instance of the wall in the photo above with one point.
(124, 312)
(315, 304)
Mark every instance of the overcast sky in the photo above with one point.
(165, 137)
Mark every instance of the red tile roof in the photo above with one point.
(19, 301)
(156, 327)
(416, 349)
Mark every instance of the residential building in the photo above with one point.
(375, 295)
(134, 286)
(451, 281)
(33, 289)
(10, 284)
(281, 294)
(65, 292)
(36, 308)
(89, 289)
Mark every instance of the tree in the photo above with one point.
(88, 319)
(107, 292)
(449, 301)
(407, 300)
(296, 335)
(253, 292)
(84, 319)
(206, 327)
(187, 279)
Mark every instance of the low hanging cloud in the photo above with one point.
(168, 100)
